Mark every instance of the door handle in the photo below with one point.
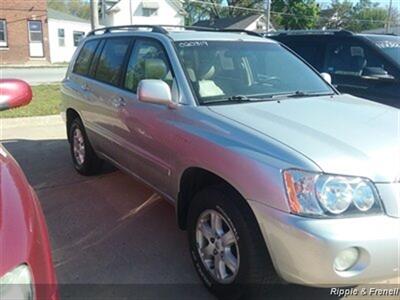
(118, 102)
(85, 87)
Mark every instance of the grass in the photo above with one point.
(46, 101)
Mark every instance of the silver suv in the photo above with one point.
(273, 173)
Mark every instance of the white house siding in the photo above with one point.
(59, 54)
(120, 14)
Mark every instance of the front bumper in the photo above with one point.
(303, 249)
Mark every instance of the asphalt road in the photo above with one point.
(111, 236)
(35, 76)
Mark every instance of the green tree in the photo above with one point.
(295, 14)
(364, 15)
(367, 15)
(216, 9)
(337, 16)
(60, 5)
(79, 8)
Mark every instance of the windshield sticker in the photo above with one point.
(388, 44)
(193, 44)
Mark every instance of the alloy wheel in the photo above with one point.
(217, 246)
(78, 143)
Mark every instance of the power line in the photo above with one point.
(260, 11)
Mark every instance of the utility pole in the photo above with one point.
(94, 13)
(267, 13)
(130, 12)
(103, 11)
(389, 18)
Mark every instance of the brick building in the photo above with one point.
(23, 32)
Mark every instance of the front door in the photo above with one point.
(35, 31)
(148, 137)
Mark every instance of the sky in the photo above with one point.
(382, 3)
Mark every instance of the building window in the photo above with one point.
(3, 33)
(78, 35)
(35, 31)
(149, 12)
(61, 37)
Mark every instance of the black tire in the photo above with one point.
(91, 163)
(256, 274)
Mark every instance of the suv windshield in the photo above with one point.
(389, 44)
(224, 71)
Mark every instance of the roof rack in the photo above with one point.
(161, 29)
(312, 31)
(104, 30)
(212, 29)
(379, 33)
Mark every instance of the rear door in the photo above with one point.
(104, 94)
(75, 86)
(358, 69)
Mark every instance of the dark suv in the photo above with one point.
(366, 66)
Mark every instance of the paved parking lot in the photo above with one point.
(108, 229)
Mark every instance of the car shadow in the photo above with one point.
(112, 237)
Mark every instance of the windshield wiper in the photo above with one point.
(272, 97)
(242, 98)
(233, 99)
(299, 94)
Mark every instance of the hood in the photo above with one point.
(341, 134)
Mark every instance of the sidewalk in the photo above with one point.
(33, 66)
(35, 75)
(32, 128)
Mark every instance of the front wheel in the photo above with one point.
(226, 245)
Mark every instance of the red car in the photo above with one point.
(26, 268)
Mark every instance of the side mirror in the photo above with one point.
(14, 93)
(327, 77)
(154, 91)
(376, 73)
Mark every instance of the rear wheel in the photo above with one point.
(227, 247)
(85, 160)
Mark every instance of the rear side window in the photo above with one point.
(111, 61)
(311, 52)
(84, 59)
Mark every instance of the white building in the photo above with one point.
(65, 32)
(144, 12)
(250, 22)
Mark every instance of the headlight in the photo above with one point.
(322, 195)
(17, 284)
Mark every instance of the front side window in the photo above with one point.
(111, 60)
(61, 37)
(77, 36)
(389, 45)
(354, 59)
(3, 33)
(85, 57)
(220, 71)
(311, 52)
(35, 31)
(148, 61)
